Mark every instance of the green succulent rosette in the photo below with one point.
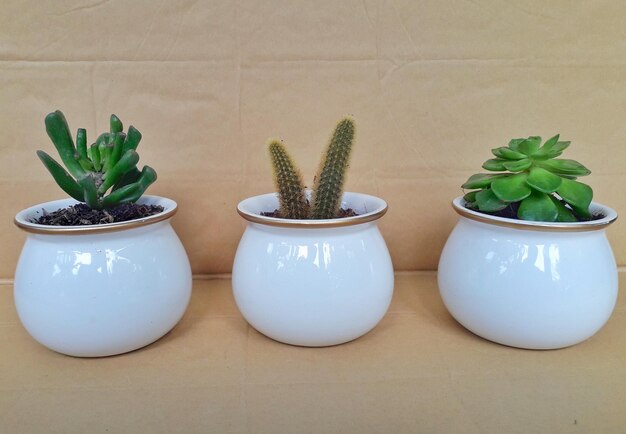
(531, 179)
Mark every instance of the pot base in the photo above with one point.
(302, 344)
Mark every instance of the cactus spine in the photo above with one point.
(293, 203)
(329, 181)
(331, 175)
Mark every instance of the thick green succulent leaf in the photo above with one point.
(132, 139)
(116, 125)
(132, 192)
(494, 165)
(480, 180)
(565, 167)
(128, 162)
(116, 153)
(507, 153)
(576, 193)
(471, 196)
(560, 146)
(540, 155)
(514, 144)
(128, 178)
(81, 143)
(553, 145)
(86, 164)
(530, 145)
(538, 207)
(103, 139)
(565, 214)
(61, 177)
(59, 133)
(511, 188)
(90, 192)
(105, 155)
(148, 176)
(122, 195)
(518, 166)
(543, 180)
(551, 149)
(94, 156)
(583, 213)
(550, 142)
(488, 202)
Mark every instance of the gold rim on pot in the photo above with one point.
(256, 217)
(21, 221)
(609, 217)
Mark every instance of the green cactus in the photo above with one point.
(539, 185)
(110, 164)
(291, 193)
(328, 189)
(331, 175)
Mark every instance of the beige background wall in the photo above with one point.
(433, 86)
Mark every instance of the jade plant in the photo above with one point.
(103, 175)
(531, 182)
(327, 191)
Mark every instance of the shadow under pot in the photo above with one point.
(100, 290)
(313, 282)
(529, 284)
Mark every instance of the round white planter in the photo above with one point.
(101, 290)
(529, 284)
(313, 282)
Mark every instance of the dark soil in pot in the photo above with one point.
(510, 212)
(82, 215)
(342, 213)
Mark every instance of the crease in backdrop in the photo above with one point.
(433, 87)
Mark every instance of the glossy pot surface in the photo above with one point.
(101, 290)
(313, 282)
(527, 284)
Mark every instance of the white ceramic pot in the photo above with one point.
(100, 290)
(529, 284)
(313, 282)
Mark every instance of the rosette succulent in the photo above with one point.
(530, 181)
(103, 175)
(328, 188)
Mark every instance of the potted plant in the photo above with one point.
(312, 268)
(528, 263)
(102, 273)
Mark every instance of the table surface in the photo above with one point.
(418, 371)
